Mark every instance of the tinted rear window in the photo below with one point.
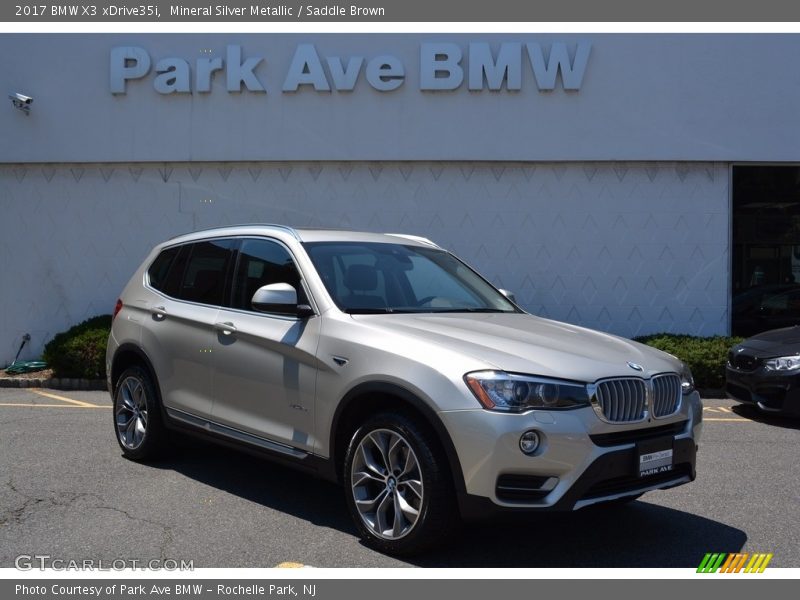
(206, 270)
(159, 270)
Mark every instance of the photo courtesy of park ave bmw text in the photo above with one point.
(628, 183)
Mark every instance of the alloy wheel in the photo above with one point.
(386, 483)
(131, 413)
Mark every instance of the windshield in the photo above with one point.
(369, 277)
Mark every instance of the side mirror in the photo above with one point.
(509, 295)
(279, 298)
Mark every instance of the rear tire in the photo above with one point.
(138, 425)
(398, 486)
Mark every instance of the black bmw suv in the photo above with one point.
(764, 370)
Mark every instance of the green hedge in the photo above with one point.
(705, 356)
(81, 350)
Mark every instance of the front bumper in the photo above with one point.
(609, 477)
(769, 390)
(580, 461)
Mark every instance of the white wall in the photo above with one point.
(631, 248)
(643, 97)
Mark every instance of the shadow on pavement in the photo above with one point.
(747, 411)
(637, 535)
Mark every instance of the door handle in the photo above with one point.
(226, 328)
(158, 312)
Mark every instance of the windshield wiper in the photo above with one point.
(386, 310)
(472, 310)
(419, 311)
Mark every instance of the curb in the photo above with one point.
(56, 383)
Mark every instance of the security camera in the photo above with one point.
(22, 102)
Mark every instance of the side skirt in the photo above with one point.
(236, 439)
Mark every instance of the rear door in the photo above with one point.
(179, 332)
(265, 364)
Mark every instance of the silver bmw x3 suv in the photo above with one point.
(385, 363)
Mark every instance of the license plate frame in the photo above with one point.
(654, 457)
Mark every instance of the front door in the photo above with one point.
(265, 364)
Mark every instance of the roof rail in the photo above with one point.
(290, 230)
(415, 238)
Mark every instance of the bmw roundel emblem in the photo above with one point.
(635, 366)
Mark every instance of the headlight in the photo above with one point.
(508, 392)
(783, 363)
(687, 381)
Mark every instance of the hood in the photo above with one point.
(523, 343)
(778, 342)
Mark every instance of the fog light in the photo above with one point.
(529, 442)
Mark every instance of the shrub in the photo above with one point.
(81, 350)
(706, 357)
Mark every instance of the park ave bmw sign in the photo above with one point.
(442, 66)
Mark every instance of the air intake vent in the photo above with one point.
(741, 361)
(631, 436)
(632, 483)
(523, 488)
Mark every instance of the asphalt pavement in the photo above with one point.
(66, 491)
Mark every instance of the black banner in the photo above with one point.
(389, 11)
(730, 588)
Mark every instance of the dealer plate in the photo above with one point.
(655, 456)
(653, 463)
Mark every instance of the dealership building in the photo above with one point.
(629, 183)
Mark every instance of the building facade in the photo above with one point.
(628, 183)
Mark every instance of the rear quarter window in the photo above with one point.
(158, 272)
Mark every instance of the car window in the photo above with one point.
(364, 277)
(430, 287)
(775, 303)
(158, 271)
(263, 262)
(349, 267)
(206, 268)
(782, 304)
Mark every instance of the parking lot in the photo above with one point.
(67, 492)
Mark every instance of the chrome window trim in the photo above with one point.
(239, 238)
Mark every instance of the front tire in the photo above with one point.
(398, 486)
(137, 416)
